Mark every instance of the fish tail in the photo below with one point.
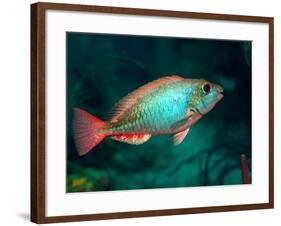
(86, 131)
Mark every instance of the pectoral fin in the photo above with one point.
(181, 123)
(132, 138)
(179, 137)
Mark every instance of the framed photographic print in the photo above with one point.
(140, 112)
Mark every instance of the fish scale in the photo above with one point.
(156, 111)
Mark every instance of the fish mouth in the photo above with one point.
(220, 95)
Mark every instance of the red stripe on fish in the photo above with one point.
(131, 138)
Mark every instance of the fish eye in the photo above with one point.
(206, 88)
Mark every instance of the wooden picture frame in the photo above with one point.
(38, 109)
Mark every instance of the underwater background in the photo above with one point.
(103, 68)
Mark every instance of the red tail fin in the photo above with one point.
(85, 131)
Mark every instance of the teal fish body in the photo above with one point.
(167, 108)
(157, 111)
(169, 105)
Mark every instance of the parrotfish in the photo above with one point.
(168, 105)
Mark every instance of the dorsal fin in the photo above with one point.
(126, 102)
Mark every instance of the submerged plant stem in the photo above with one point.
(244, 169)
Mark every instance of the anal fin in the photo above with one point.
(179, 137)
(132, 138)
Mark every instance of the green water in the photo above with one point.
(101, 69)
